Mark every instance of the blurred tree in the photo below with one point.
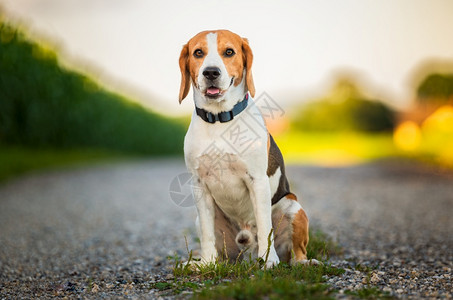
(425, 69)
(436, 88)
(345, 109)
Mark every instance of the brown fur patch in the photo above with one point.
(247, 53)
(197, 42)
(291, 196)
(183, 65)
(236, 63)
(190, 65)
(300, 235)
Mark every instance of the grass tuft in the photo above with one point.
(265, 286)
(248, 279)
(321, 246)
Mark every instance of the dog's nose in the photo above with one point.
(211, 73)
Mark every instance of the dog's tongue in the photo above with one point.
(212, 90)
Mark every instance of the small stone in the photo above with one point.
(375, 278)
(414, 273)
(95, 288)
(434, 294)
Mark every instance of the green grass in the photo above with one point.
(321, 246)
(281, 282)
(16, 160)
(249, 280)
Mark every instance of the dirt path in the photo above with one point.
(107, 230)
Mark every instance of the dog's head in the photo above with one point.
(218, 64)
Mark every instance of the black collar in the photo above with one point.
(224, 116)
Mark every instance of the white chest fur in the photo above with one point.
(226, 157)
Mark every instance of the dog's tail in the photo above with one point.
(245, 239)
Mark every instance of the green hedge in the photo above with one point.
(44, 105)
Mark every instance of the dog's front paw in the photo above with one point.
(308, 262)
(191, 264)
(272, 261)
(208, 254)
(196, 262)
(211, 260)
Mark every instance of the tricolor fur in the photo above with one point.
(240, 195)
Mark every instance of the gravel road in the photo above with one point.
(105, 231)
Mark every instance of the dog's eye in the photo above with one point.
(229, 52)
(198, 53)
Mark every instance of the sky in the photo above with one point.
(299, 47)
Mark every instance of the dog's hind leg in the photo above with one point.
(290, 223)
(300, 236)
(282, 217)
(225, 235)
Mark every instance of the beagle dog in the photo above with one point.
(244, 204)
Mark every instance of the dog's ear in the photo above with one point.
(185, 75)
(248, 60)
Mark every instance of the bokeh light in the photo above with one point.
(407, 136)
